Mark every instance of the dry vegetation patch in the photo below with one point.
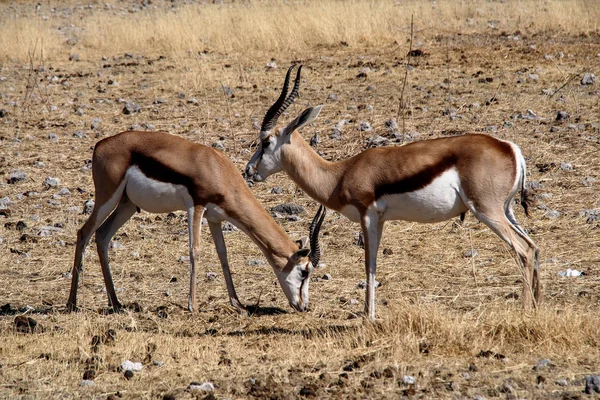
(208, 72)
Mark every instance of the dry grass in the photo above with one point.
(275, 28)
(437, 309)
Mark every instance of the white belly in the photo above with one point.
(156, 196)
(438, 201)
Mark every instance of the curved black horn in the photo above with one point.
(315, 227)
(282, 102)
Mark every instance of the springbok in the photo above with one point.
(159, 173)
(426, 181)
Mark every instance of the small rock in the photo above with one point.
(363, 284)
(314, 140)
(543, 364)
(218, 146)
(470, 253)
(588, 181)
(16, 176)
(592, 384)
(114, 245)
(566, 166)
(192, 100)
(336, 134)
(326, 277)
(205, 386)
(95, 124)
(271, 65)
(3, 113)
(86, 382)
(332, 97)
(255, 263)
(53, 137)
(131, 366)
(128, 374)
(79, 135)
(533, 77)
(570, 273)
(277, 190)
(552, 214)
(229, 227)
(364, 127)
(290, 209)
(5, 202)
(51, 182)
(562, 382)
(562, 116)
(211, 276)
(74, 57)
(184, 259)
(408, 380)
(377, 141)
(88, 206)
(131, 108)
(588, 79)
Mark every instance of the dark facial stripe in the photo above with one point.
(417, 181)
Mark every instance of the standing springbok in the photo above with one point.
(159, 173)
(427, 181)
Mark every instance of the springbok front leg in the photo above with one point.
(104, 234)
(217, 234)
(194, 228)
(372, 227)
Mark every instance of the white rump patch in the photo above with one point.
(436, 202)
(156, 196)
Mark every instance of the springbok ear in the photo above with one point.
(306, 117)
(302, 253)
(302, 242)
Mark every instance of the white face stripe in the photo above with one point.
(156, 196)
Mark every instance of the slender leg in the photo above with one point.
(501, 224)
(104, 234)
(372, 228)
(194, 226)
(101, 211)
(217, 234)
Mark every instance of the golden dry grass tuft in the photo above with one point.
(452, 322)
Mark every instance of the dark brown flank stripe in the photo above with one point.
(164, 173)
(416, 181)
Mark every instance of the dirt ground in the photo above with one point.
(450, 322)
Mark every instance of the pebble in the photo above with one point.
(470, 253)
(211, 276)
(365, 127)
(16, 176)
(218, 146)
(277, 190)
(95, 124)
(314, 140)
(592, 384)
(64, 192)
(205, 386)
(229, 227)
(290, 209)
(377, 141)
(566, 166)
(53, 137)
(562, 116)
(114, 245)
(131, 108)
(588, 181)
(408, 380)
(363, 284)
(51, 182)
(88, 206)
(86, 382)
(588, 79)
(562, 382)
(131, 366)
(326, 277)
(255, 263)
(184, 259)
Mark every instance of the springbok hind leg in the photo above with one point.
(104, 234)
(526, 250)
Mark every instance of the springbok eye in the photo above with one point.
(266, 143)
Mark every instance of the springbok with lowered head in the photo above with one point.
(426, 181)
(158, 172)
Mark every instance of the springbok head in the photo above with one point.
(267, 159)
(295, 277)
